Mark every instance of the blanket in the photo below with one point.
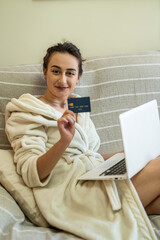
(93, 210)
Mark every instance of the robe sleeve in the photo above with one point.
(28, 138)
(94, 140)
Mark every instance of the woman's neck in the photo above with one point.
(59, 105)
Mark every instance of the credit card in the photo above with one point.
(81, 104)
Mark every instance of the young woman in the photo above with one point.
(53, 147)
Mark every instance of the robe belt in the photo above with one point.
(113, 195)
(88, 153)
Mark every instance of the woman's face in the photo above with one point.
(61, 75)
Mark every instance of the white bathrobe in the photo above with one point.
(95, 210)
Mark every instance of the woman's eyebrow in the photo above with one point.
(55, 66)
(71, 69)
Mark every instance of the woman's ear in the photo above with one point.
(44, 73)
(79, 76)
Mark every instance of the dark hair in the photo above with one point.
(65, 47)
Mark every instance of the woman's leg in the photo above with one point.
(147, 184)
(154, 207)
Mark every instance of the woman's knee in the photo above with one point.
(153, 167)
(151, 172)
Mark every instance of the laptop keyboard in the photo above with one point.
(117, 169)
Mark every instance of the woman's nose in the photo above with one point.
(62, 78)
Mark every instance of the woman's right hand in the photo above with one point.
(47, 161)
(66, 126)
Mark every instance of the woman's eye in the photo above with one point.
(70, 74)
(55, 71)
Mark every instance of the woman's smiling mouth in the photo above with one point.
(61, 88)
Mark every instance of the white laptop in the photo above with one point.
(140, 128)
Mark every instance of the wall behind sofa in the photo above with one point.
(98, 27)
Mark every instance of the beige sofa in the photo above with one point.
(115, 84)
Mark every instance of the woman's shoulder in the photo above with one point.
(28, 104)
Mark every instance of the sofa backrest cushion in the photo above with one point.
(114, 83)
